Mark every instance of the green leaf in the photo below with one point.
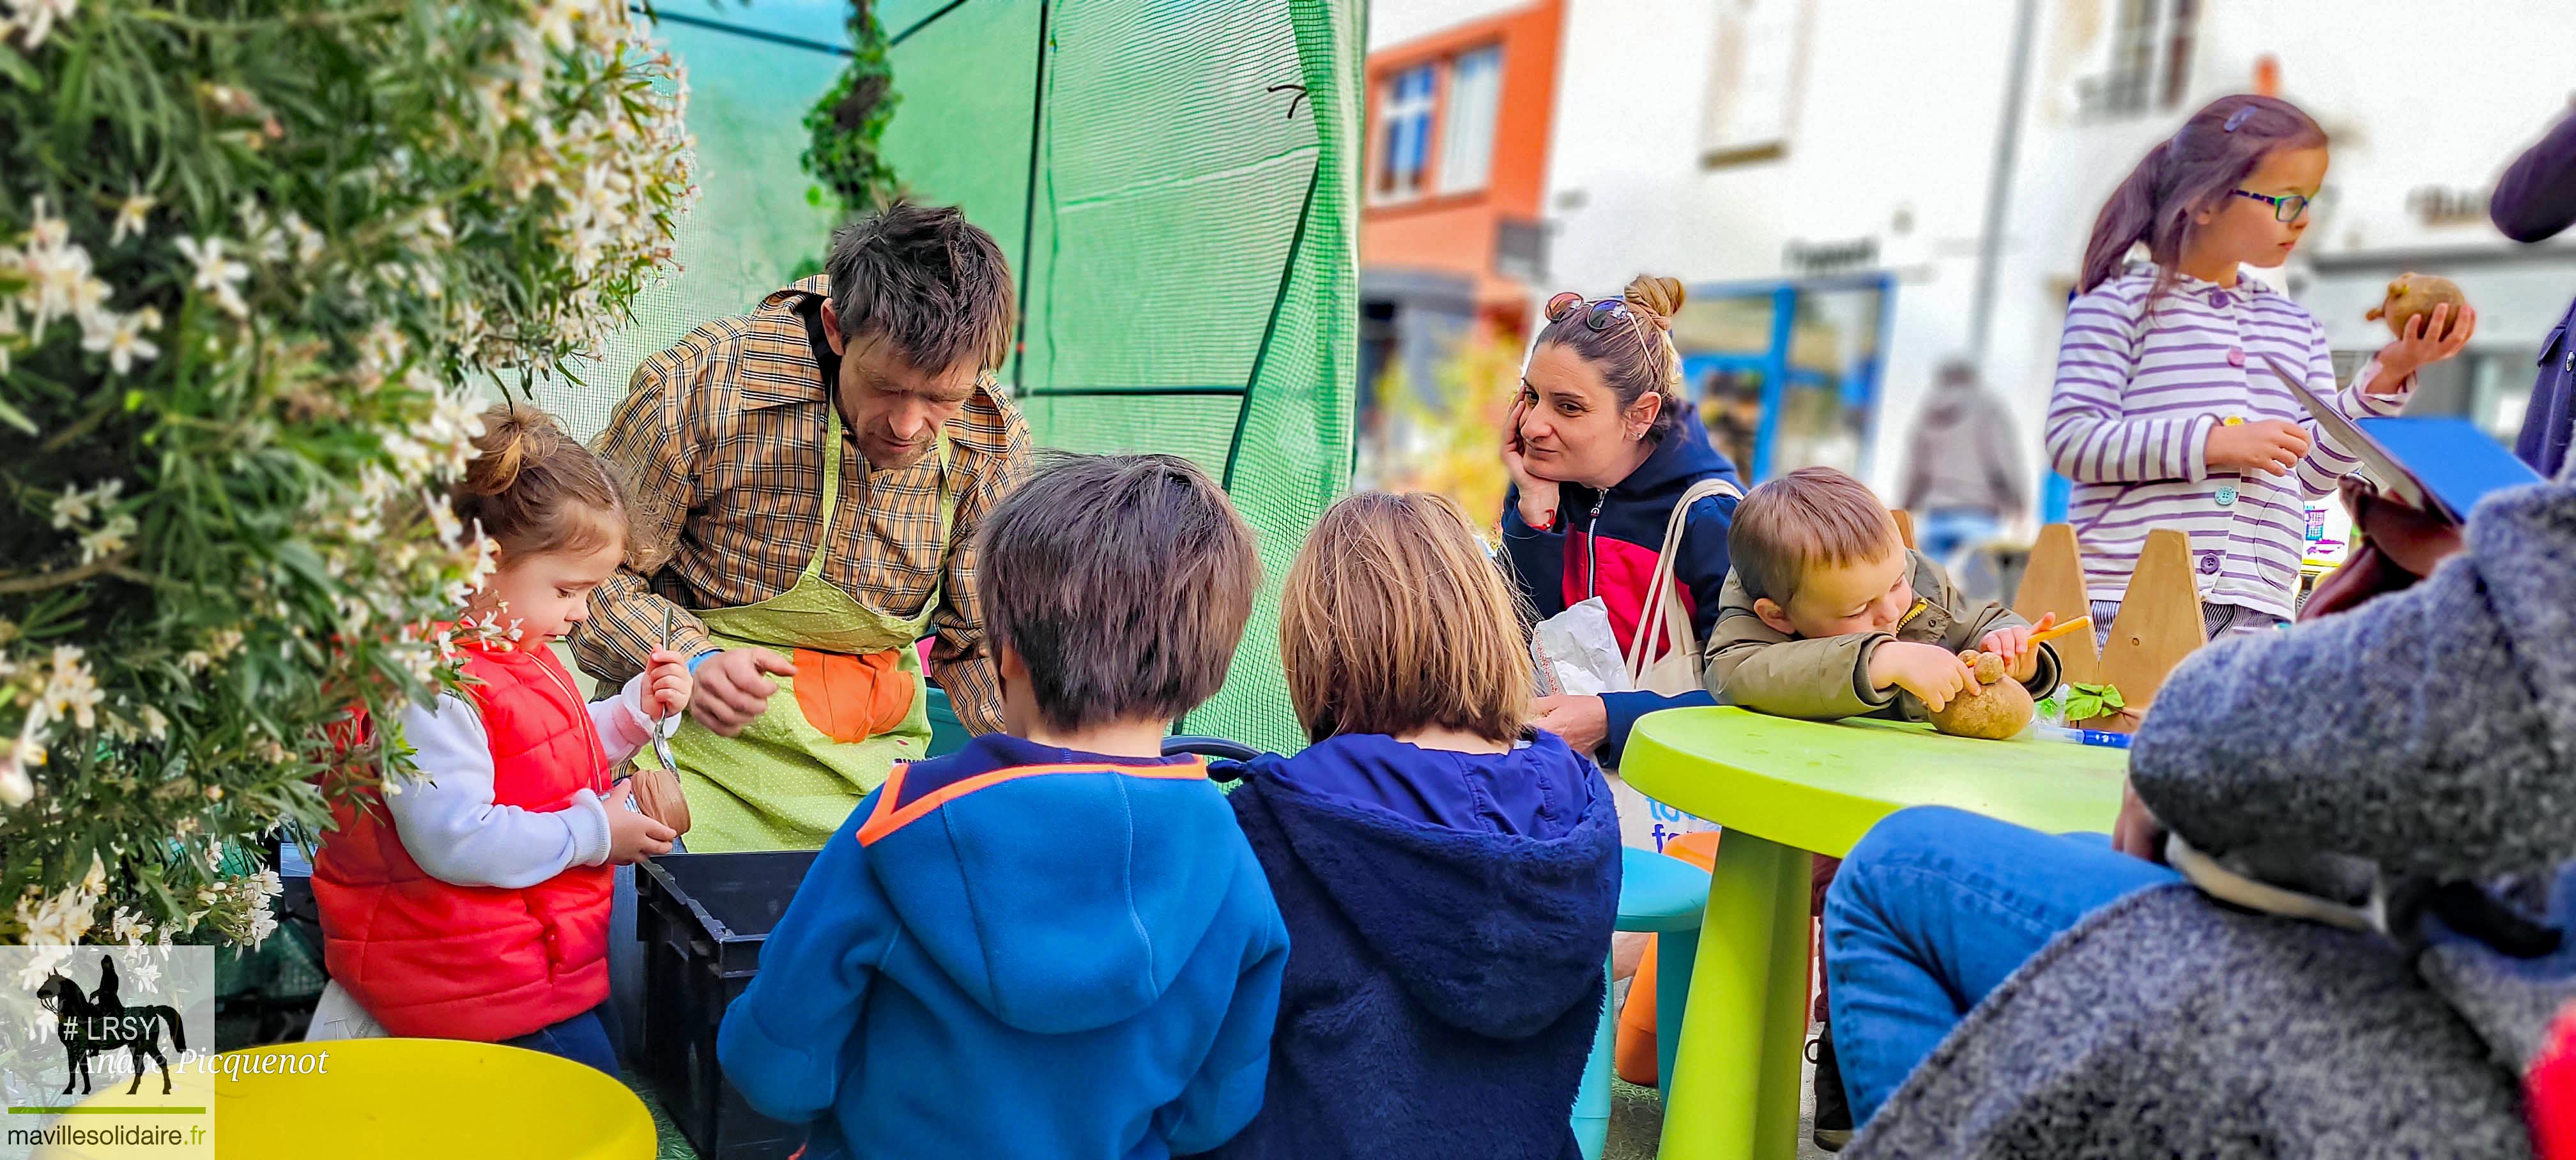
(12, 417)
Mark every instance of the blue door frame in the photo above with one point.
(1859, 384)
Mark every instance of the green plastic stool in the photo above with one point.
(1657, 895)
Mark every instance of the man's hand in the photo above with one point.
(2137, 833)
(1582, 721)
(2021, 658)
(732, 688)
(1932, 673)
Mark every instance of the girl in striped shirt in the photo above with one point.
(2168, 412)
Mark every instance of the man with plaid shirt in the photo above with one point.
(806, 481)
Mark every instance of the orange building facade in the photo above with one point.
(1453, 239)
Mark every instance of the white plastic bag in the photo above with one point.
(1578, 655)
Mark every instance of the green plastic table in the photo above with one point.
(1785, 790)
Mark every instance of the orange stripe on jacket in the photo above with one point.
(888, 817)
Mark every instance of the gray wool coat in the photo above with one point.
(2431, 734)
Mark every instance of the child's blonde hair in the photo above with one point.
(536, 490)
(1394, 619)
(1812, 516)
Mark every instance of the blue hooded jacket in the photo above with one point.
(1451, 916)
(1605, 543)
(1017, 950)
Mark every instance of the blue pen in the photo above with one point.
(2102, 737)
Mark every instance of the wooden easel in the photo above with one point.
(2159, 622)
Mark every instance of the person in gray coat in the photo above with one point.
(1964, 475)
(2004, 993)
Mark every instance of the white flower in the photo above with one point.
(41, 964)
(123, 343)
(70, 693)
(552, 23)
(80, 507)
(110, 538)
(155, 725)
(143, 971)
(36, 18)
(15, 786)
(217, 275)
(128, 927)
(308, 241)
(196, 661)
(442, 516)
(131, 216)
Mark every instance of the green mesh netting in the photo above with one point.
(1173, 180)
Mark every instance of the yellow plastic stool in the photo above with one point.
(401, 1099)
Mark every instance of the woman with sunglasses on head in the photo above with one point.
(1601, 449)
(2168, 411)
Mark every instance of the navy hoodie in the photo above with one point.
(1017, 950)
(1615, 536)
(1450, 918)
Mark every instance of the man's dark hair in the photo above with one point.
(1123, 581)
(926, 280)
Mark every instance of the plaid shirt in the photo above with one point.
(721, 438)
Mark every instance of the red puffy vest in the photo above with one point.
(432, 959)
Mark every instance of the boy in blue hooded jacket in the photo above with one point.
(1053, 942)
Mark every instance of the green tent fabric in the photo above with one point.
(1174, 181)
(1175, 184)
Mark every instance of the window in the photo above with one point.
(1404, 134)
(1753, 82)
(2149, 67)
(1467, 126)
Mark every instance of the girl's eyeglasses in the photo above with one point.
(2284, 209)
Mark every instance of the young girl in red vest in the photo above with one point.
(472, 903)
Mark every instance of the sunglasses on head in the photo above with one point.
(1597, 315)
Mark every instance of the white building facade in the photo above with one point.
(1829, 146)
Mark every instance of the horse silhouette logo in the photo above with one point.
(98, 1023)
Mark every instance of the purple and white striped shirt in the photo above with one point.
(2138, 392)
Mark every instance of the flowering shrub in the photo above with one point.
(257, 258)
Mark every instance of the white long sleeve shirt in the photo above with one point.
(450, 824)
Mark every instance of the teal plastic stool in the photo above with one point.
(947, 733)
(1658, 895)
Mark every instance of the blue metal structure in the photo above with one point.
(1858, 386)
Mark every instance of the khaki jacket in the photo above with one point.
(1752, 665)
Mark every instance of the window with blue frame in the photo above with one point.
(1467, 126)
(1404, 109)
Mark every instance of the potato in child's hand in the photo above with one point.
(633, 835)
(1999, 709)
(1928, 671)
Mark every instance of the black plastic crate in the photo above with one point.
(702, 918)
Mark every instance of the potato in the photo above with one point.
(2413, 294)
(2000, 708)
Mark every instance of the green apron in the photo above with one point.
(782, 783)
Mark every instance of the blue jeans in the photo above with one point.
(584, 1038)
(1933, 909)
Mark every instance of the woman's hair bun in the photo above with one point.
(1657, 298)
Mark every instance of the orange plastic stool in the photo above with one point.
(1634, 1057)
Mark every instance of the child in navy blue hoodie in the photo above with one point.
(1449, 879)
(1053, 943)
